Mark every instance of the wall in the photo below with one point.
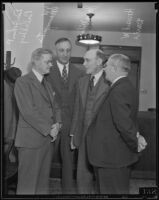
(22, 24)
(22, 47)
(148, 57)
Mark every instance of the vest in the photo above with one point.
(91, 96)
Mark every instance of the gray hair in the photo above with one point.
(37, 54)
(120, 60)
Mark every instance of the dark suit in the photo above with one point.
(65, 98)
(111, 138)
(37, 112)
(80, 127)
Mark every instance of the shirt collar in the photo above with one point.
(38, 75)
(117, 79)
(60, 66)
(97, 76)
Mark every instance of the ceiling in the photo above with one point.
(120, 17)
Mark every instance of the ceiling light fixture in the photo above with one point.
(88, 38)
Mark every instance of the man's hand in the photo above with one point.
(54, 131)
(54, 138)
(141, 142)
(71, 144)
(57, 126)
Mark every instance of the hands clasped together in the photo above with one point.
(54, 131)
(141, 142)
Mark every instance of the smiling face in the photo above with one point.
(63, 52)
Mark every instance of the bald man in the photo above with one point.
(91, 91)
(112, 140)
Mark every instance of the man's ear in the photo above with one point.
(99, 61)
(113, 68)
(37, 62)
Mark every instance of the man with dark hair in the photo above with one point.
(91, 91)
(63, 78)
(38, 125)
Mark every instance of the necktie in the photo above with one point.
(91, 83)
(44, 84)
(64, 74)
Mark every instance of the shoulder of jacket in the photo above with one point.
(24, 78)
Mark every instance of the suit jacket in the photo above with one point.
(111, 138)
(37, 112)
(66, 106)
(78, 129)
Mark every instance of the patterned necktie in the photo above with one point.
(91, 83)
(64, 74)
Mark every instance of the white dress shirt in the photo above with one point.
(60, 66)
(97, 77)
(38, 75)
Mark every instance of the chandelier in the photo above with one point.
(89, 39)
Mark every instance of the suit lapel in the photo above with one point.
(71, 77)
(50, 92)
(84, 89)
(101, 94)
(117, 83)
(37, 84)
(56, 77)
(103, 87)
(104, 95)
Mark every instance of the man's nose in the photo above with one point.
(50, 64)
(65, 53)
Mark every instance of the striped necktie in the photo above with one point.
(91, 83)
(64, 74)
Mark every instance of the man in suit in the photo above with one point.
(38, 125)
(112, 140)
(91, 91)
(63, 77)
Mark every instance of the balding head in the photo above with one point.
(116, 66)
(120, 61)
(97, 53)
